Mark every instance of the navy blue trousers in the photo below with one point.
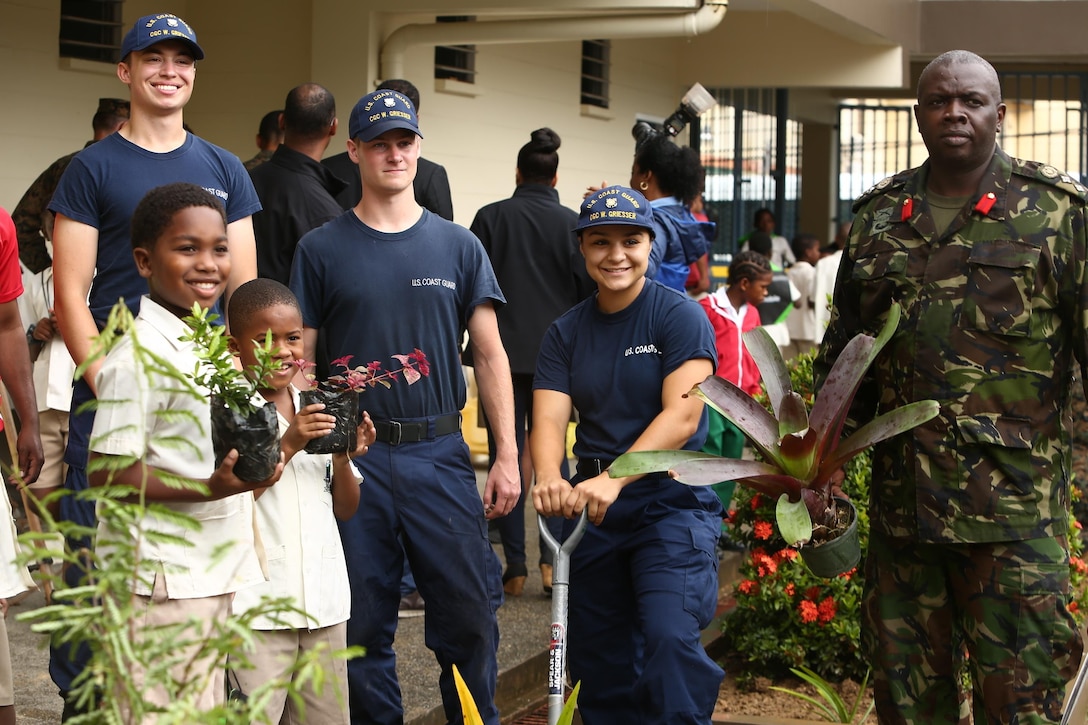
(425, 495)
(640, 593)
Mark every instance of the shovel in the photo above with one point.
(557, 650)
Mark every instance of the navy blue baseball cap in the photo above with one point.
(615, 205)
(381, 111)
(151, 29)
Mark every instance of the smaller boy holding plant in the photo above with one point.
(297, 519)
(179, 240)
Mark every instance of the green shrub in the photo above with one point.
(786, 617)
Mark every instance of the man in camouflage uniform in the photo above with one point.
(269, 138)
(968, 559)
(33, 221)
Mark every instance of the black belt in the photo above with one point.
(395, 432)
(590, 467)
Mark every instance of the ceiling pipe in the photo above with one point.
(688, 24)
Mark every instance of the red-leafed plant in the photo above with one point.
(414, 366)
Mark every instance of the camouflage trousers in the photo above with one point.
(996, 612)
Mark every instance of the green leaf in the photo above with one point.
(881, 428)
(828, 714)
(834, 398)
(792, 415)
(743, 411)
(708, 470)
(794, 522)
(772, 368)
(566, 715)
(639, 463)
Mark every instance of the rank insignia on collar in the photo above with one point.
(986, 203)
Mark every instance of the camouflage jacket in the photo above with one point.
(995, 311)
(28, 214)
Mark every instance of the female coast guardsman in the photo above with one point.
(644, 578)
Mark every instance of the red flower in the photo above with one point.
(787, 554)
(827, 610)
(808, 611)
(763, 530)
(766, 565)
(1078, 564)
(1073, 607)
(812, 593)
(755, 502)
(731, 517)
(789, 589)
(749, 586)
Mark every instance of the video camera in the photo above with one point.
(695, 103)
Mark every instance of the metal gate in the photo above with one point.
(752, 154)
(1045, 120)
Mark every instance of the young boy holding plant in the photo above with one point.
(179, 240)
(297, 519)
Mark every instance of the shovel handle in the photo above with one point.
(557, 649)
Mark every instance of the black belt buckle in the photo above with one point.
(396, 431)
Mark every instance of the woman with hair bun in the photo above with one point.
(671, 177)
(530, 240)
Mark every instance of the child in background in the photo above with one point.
(179, 240)
(297, 520)
(53, 373)
(802, 320)
(732, 312)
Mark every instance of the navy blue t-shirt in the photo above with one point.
(613, 365)
(105, 182)
(379, 294)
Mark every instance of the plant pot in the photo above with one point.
(256, 438)
(344, 406)
(839, 555)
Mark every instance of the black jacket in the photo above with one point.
(530, 240)
(298, 194)
(431, 187)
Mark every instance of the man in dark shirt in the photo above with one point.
(296, 191)
(432, 186)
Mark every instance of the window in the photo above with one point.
(455, 62)
(91, 30)
(595, 61)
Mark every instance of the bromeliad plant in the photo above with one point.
(801, 451)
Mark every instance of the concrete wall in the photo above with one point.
(48, 102)
(258, 49)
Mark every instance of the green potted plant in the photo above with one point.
(340, 394)
(801, 451)
(240, 419)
